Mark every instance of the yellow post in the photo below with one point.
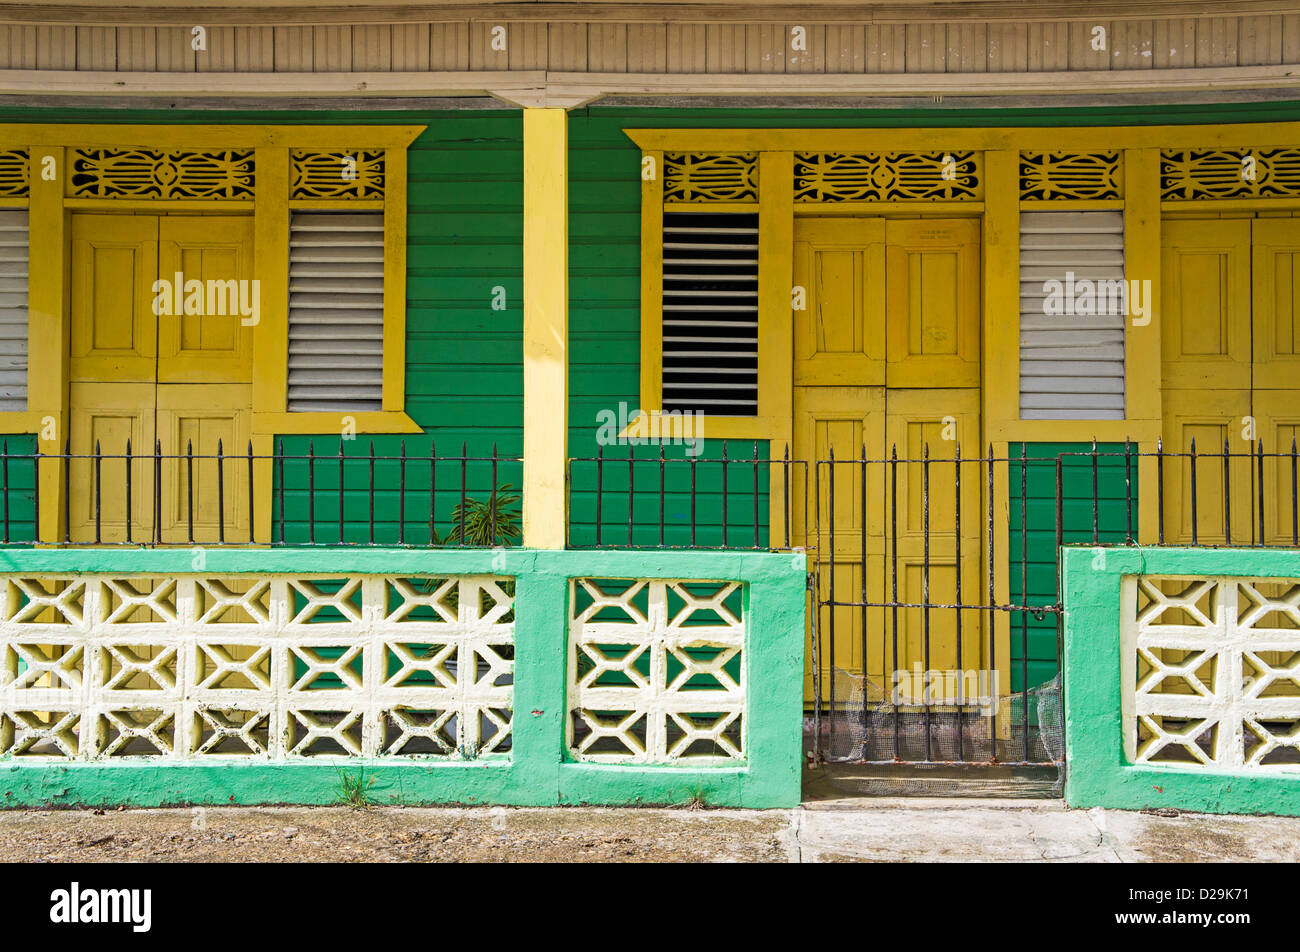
(546, 326)
(47, 340)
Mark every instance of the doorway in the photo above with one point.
(886, 358)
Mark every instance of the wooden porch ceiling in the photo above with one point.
(281, 12)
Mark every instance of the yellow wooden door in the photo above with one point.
(1207, 377)
(171, 379)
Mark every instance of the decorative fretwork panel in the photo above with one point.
(280, 667)
(1212, 672)
(13, 173)
(1056, 176)
(350, 173)
(656, 671)
(887, 176)
(1187, 174)
(162, 174)
(710, 177)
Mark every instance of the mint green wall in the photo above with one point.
(537, 771)
(1097, 773)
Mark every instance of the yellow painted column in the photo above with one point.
(546, 326)
(1142, 352)
(47, 340)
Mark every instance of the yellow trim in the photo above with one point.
(394, 398)
(1001, 279)
(652, 266)
(337, 204)
(1022, 138)
(48, 331)
(284, 423)
(157, 205)
(906, 209)
(546, 326)
(775, 274)
(1070, 205)
(1142, 262)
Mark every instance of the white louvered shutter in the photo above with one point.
(710, 313)
(336, 311)
(13, 310)
(1071, 366)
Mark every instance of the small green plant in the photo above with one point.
(495, 521)
(699, 799)
(354, 789)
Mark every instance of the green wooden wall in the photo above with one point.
(1032, 505)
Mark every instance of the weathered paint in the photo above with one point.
(536, 772)
(1097, 773)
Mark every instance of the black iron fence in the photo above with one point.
(642, 498)
(338, 497)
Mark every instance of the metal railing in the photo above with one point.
(631, 501)
(211, 499)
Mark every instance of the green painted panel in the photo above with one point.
(1032, 504)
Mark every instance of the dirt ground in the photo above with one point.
(335, 834)
(859, 829)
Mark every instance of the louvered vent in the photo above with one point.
(1071, 364)
(336, 311)
(13, 310)
(711, 313)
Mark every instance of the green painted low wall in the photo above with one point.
(1098, 772)
(537, 770)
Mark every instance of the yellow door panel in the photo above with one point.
(843, 652)
(1277, 419)
(1206, 335)
(839, 336)
(940, 420)
(938, 639)
(1209, 417)
(113, 330)
(215, 345)
(932, 303)
(1276, 293)
(201, 417)
(842, 421)
(110, 414)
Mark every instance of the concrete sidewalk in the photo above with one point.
(859, 829)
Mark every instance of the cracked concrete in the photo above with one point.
(875, 829)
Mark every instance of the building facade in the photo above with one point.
(922, 292)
